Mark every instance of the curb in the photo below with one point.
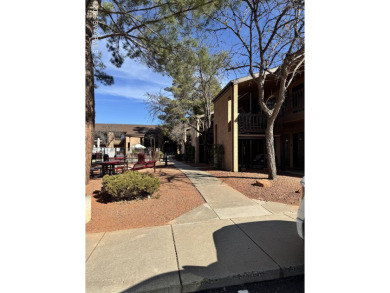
(87, 208)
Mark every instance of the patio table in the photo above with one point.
(106, 166)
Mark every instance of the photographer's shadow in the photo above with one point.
(243, 253)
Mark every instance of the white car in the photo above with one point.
(301, 213)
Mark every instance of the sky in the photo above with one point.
(124, 101)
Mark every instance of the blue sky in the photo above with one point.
(123, 102)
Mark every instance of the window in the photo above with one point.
(298, 98)
(271, 103)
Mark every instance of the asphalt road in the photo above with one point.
(288, 285)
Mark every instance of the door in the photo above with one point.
(258, 153)
(299, 151)
(285, 144)
(244, 153)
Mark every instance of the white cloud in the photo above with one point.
(132, 80)
(132, 69)
(127, 91)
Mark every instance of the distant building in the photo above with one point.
(128, 135)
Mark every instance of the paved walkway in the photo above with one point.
(229, 240)
(224, 202)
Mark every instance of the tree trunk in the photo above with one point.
(269, 142)
(89, 98)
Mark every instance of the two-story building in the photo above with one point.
(128, 135)
(239, 125)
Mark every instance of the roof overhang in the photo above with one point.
(241, 80)
(230, 83)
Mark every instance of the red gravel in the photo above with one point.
(283, 189)
(175, 197)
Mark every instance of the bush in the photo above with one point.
(130, 185)
(179, 157)
(217, 152)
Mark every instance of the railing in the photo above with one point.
(294, 104)
(251, 123)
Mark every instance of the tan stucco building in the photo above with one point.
(128, 135)
(239, 125)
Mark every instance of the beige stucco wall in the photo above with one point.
(221, 120)
(133, 141)
(235, 128)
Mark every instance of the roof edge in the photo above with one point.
(240, 80)
(222, 91)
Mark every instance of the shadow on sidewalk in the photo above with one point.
(239, 258)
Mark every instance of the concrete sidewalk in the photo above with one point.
(224, 202)
(215, 245)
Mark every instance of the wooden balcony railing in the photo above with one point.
(251, 123)
(293, 104)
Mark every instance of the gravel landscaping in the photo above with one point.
(283, 190)
(176, 196)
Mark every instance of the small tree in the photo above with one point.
(195, 83)
(177, 134)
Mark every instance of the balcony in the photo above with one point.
(293, 104)
(251, 123)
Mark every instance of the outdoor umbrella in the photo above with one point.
(139, 146)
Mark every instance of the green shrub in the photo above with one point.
(217, 151)
(130, 185)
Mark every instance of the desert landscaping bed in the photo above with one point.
(283, 190)
(176, 196)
